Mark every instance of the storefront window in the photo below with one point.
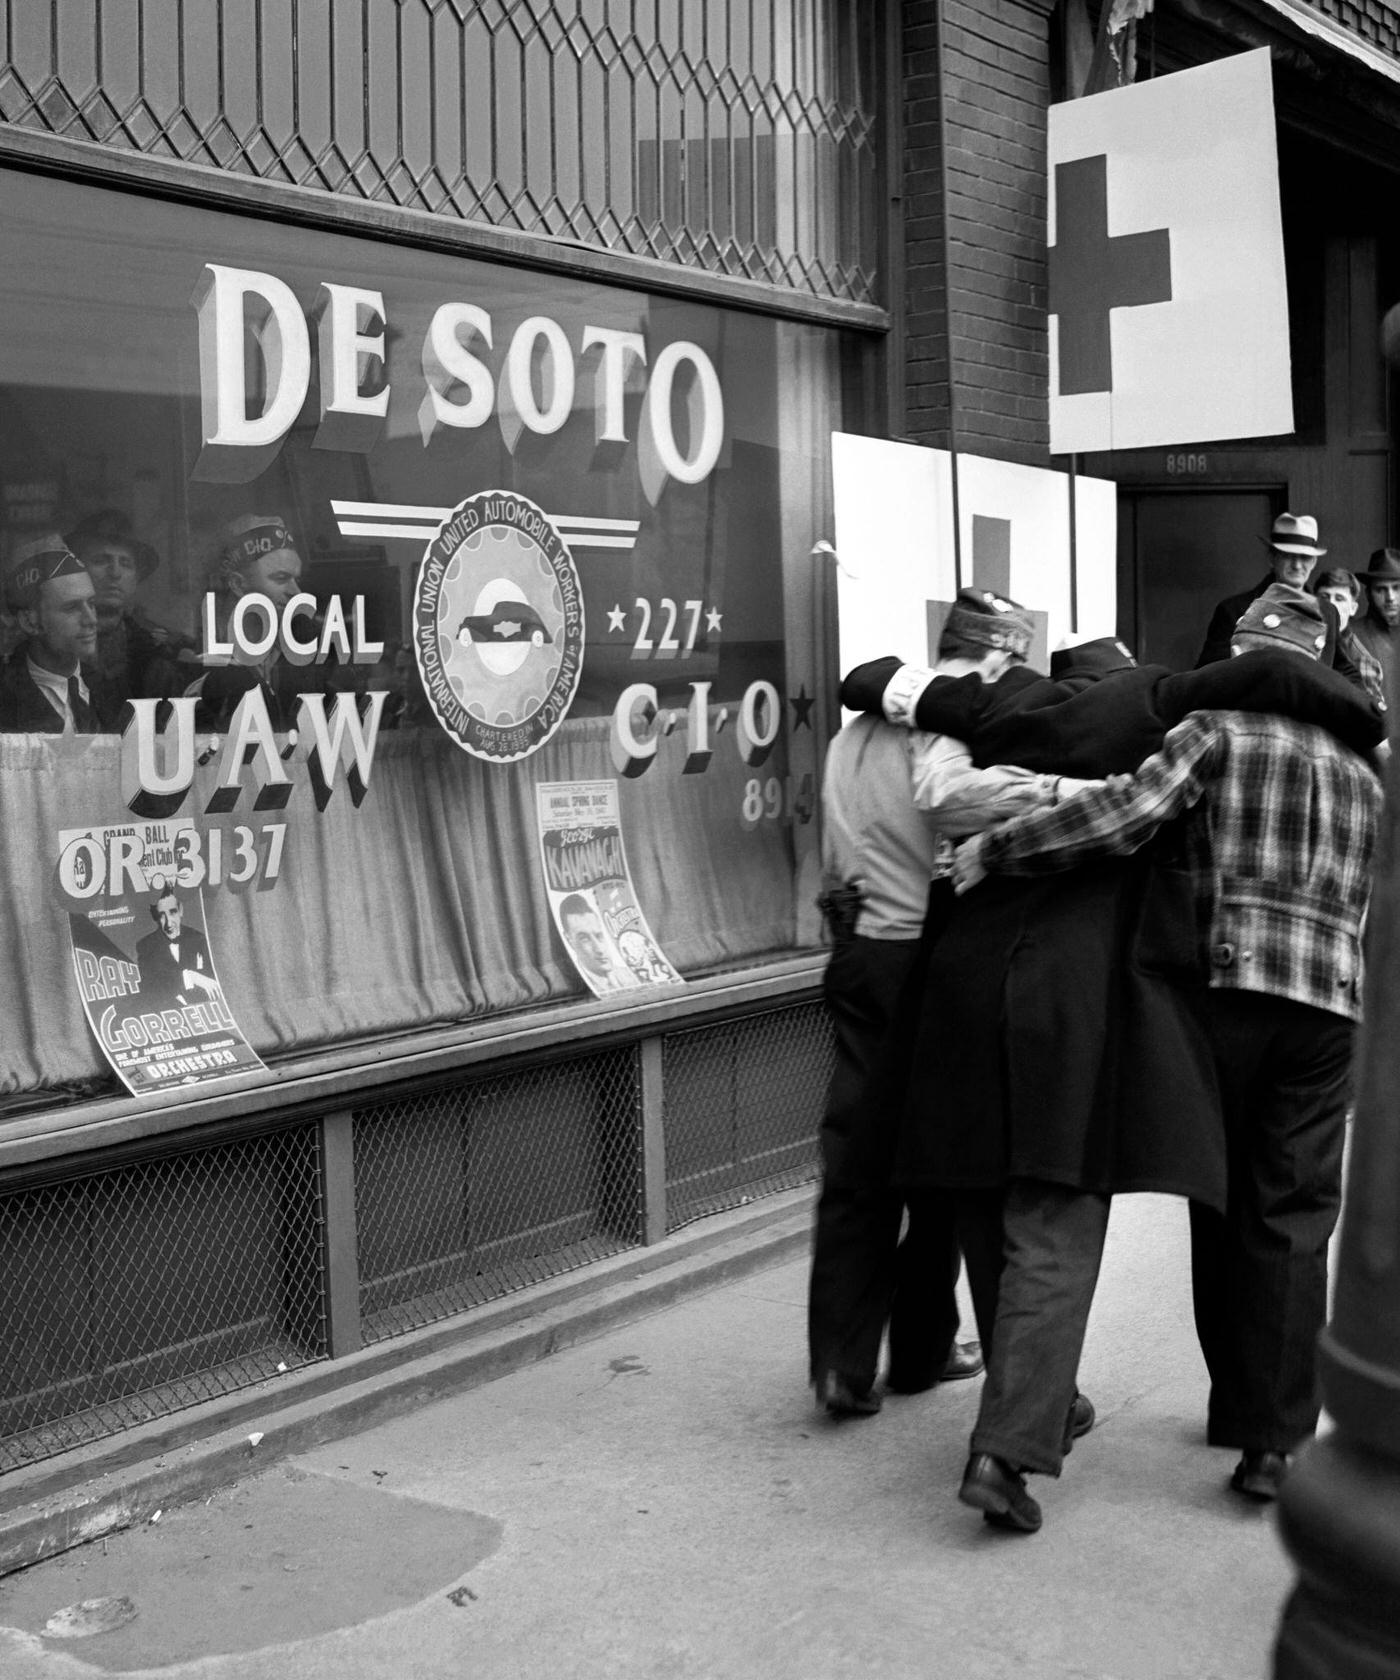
(445, 636)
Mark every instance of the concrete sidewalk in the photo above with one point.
(664, 1501)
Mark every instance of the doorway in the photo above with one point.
(1179, 553)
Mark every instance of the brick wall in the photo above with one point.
(996, 80)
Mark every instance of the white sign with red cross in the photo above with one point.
(1019, 534)
(1168, 303)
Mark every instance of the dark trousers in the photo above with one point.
(863, 1276)
(1259, 1272)
(1053, 1244)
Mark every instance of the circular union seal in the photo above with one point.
(498, 626)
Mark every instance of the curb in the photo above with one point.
(96, 1490)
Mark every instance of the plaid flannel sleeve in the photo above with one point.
(1113, 819)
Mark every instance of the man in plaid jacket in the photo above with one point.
(1278, 844)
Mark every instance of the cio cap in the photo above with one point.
(1295, 533)
(990, 620)
(1098, 658)
(1384, 567)
(111, 526)
(1286, 615)
(34, 563)
(249, 538)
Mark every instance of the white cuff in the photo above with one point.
(902, 693)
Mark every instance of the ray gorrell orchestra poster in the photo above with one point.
(591, 896)
(142, 958)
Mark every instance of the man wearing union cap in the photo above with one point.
(892, 802)
(49, 685)
(1293, 552)
(258, 555)
(1277, 825)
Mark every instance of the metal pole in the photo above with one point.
(948, 291)
(1339, 1512)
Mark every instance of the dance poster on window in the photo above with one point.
(591, 896)
(142, 956)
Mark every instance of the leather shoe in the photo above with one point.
(842, 1399)
(1079, 1420)
(992, 1487)
(964, 1360)
(1259, 1475)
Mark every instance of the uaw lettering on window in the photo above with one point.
(157, 769)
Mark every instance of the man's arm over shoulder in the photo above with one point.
(916, 696)
(963, 799)
(1283, 682)
(1113, 819)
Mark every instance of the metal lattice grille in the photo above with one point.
(736, 136)
(464, 1194)
(132, 1293)
(743, 1103)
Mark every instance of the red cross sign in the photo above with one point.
(1167, 299)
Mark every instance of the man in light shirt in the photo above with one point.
(48, 685)
(893, 803)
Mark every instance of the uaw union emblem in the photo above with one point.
(498, 626)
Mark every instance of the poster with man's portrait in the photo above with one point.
(591, 895)
(142, 958)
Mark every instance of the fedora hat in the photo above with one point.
(111, 525)
(1384, 567)
(1294, 533)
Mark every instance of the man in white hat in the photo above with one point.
(1293, 552)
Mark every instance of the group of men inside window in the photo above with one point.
(80, 645)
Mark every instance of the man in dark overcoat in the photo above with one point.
(1293, 552)
(1276, 843)
(1375, 628)
(1050, 1035)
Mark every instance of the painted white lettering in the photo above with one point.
(237, 446)
(344, 742)
(448, 363)
(757, 734)
(294, 650)
(556, 368)
(659, 457)
(156, 770)
(633, 753)
(350, 420)
(610, 380)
